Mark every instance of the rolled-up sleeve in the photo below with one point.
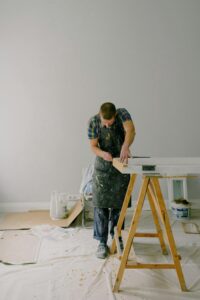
(92, 129)
(124, 114)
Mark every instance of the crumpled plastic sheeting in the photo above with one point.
(52, 232)
(86, 183)
(68, 269)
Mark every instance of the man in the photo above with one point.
(111, 132)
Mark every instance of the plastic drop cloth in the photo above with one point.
(68, 269)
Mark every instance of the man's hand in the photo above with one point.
(95, 148)
(107, 156)
(125, 154)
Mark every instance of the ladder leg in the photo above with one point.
(123, 210)
(172, 245)
(131, 233)
(156, 221)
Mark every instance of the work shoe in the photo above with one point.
(102, 251)
(121, 244)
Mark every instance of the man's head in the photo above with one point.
(107, 114)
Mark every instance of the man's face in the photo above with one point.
(107, 123)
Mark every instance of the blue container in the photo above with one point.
(181, 211)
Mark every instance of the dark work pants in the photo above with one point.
(102, 216)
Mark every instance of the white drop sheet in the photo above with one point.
(68, 269)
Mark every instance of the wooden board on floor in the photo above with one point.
(26, 220)
(19, 247)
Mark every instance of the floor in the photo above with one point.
(67, 268)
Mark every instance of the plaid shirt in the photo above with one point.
(94, 123)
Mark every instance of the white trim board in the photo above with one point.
(162, 166)
(23, 206)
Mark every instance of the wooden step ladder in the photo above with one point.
(150, 187)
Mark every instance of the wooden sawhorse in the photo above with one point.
(150, 186)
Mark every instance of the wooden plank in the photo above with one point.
(119, 165)
(26, 220)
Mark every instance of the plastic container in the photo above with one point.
(58, 205)
(181, 209)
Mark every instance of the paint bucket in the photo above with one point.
(58, 206)
(181, 209)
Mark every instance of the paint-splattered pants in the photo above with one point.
(105, 219)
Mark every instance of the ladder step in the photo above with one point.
(131, 265)
(146, 234)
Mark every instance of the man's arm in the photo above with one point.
(129, 129)
(97, 151)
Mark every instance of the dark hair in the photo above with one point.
(108, 110)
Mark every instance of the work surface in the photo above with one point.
(163, 166)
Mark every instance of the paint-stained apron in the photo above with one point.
(109, 185)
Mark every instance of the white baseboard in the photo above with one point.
(23, 206)
(26, 206)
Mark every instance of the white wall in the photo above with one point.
(59, 60)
